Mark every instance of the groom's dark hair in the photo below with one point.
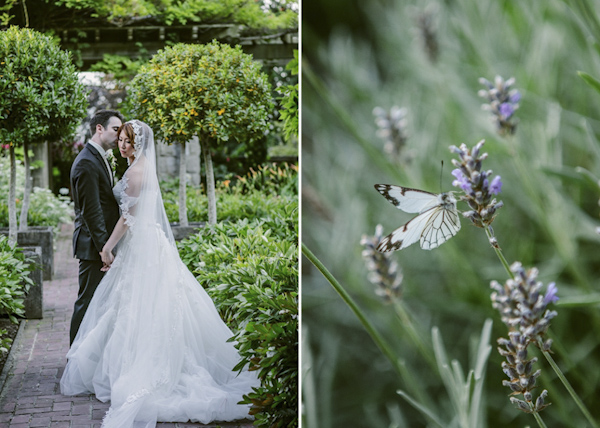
(102, 117)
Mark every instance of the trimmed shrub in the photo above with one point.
(250, 270)
(14, 283)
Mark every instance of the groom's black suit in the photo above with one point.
(96, 214)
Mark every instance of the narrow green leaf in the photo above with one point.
(422, 408)
(589, 80)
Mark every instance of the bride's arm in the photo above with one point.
(116, 235)
(132, 191)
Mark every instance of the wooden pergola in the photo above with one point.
(94, 42)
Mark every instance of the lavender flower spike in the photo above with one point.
(475, 183)
(523, 309)
(391, 129)
(384, 273)
(502, 102)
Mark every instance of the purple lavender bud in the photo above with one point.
(496, 185)
(515, 97)
(506, 110)
(551, 296)
(461, 180)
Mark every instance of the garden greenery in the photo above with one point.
(41, 99)
(212, 91)
(14, 283)
(266, 189)
(249, 266)
(45, 208)
(250, 270)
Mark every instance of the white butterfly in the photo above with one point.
(436, 223)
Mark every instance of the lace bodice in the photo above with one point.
(125, 201)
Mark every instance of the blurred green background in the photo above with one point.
(359, 55)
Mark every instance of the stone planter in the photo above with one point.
(34, 306)
(38, 236)
(183, 232)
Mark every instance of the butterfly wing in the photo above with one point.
(432, 227)
(405, 235)
(442, 224)
(406, 199)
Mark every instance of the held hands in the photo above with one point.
(107, 258)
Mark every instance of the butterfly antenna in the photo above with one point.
(441, 171)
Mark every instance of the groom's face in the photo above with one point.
(109, 134)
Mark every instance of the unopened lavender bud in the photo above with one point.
(521, 405)
(540, 402)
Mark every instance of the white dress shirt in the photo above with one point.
(103, 154)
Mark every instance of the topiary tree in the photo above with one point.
(289, 102)
(213, 91)
(41, 100)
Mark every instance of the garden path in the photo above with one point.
(30, 382)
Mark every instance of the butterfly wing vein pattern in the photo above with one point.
(436, 223)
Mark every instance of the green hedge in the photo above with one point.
(14, 283)
(268, 189)
(250, 270)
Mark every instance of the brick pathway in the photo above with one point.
(30, 382)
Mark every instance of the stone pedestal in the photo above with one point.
(38, 236)
(34, 306)
(183, 232)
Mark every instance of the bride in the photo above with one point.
(152, 341)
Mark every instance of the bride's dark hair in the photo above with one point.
(129, 132)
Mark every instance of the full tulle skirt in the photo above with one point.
(153, 344)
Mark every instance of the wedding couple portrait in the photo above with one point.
(144, 335)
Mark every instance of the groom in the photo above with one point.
(96, 210)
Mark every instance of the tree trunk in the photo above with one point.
(12, 203)
(183, 220)
(210, 182)
(26, 191)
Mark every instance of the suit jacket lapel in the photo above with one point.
(100, 159)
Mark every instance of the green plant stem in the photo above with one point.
(539, 420)
(379, 341)
(568, 386)
(413, 334)
(499, 253)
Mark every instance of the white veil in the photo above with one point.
(141, 203)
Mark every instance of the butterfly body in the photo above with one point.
(436, 222)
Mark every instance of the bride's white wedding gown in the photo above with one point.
(152, 341)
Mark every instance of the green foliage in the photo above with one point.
(121, 67)
(40, 95)
(45, 208)
(289, 102)
(5, 17)
(594, 83)
(14, 283)
(271, 179)
(251, 14)
(250, 270)
(213, 91)
(269, 189)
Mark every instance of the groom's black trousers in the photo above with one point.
(90, 276)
